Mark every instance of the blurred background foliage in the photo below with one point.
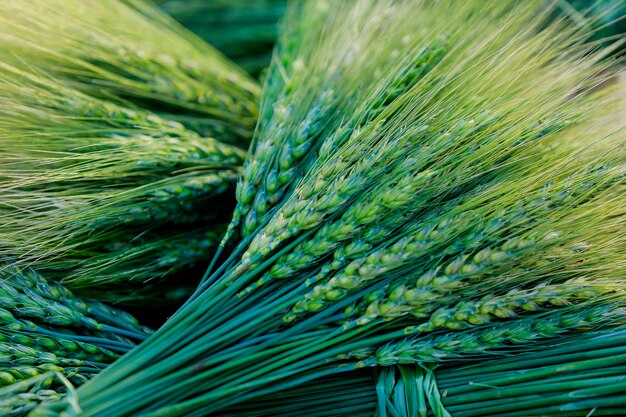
(245, 30)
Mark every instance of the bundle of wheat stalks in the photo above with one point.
(429, 220)
(51, 339)
(121, 139)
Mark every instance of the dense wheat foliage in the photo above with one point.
(128, 51)
(420, 213)
(121, 140)
(467, 202)
(51, 339)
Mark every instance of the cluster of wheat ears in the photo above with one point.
(419, 212)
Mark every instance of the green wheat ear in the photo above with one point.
(49, 335)
(121, 137)
(99, 90)
(131, 52)
(97, 193)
